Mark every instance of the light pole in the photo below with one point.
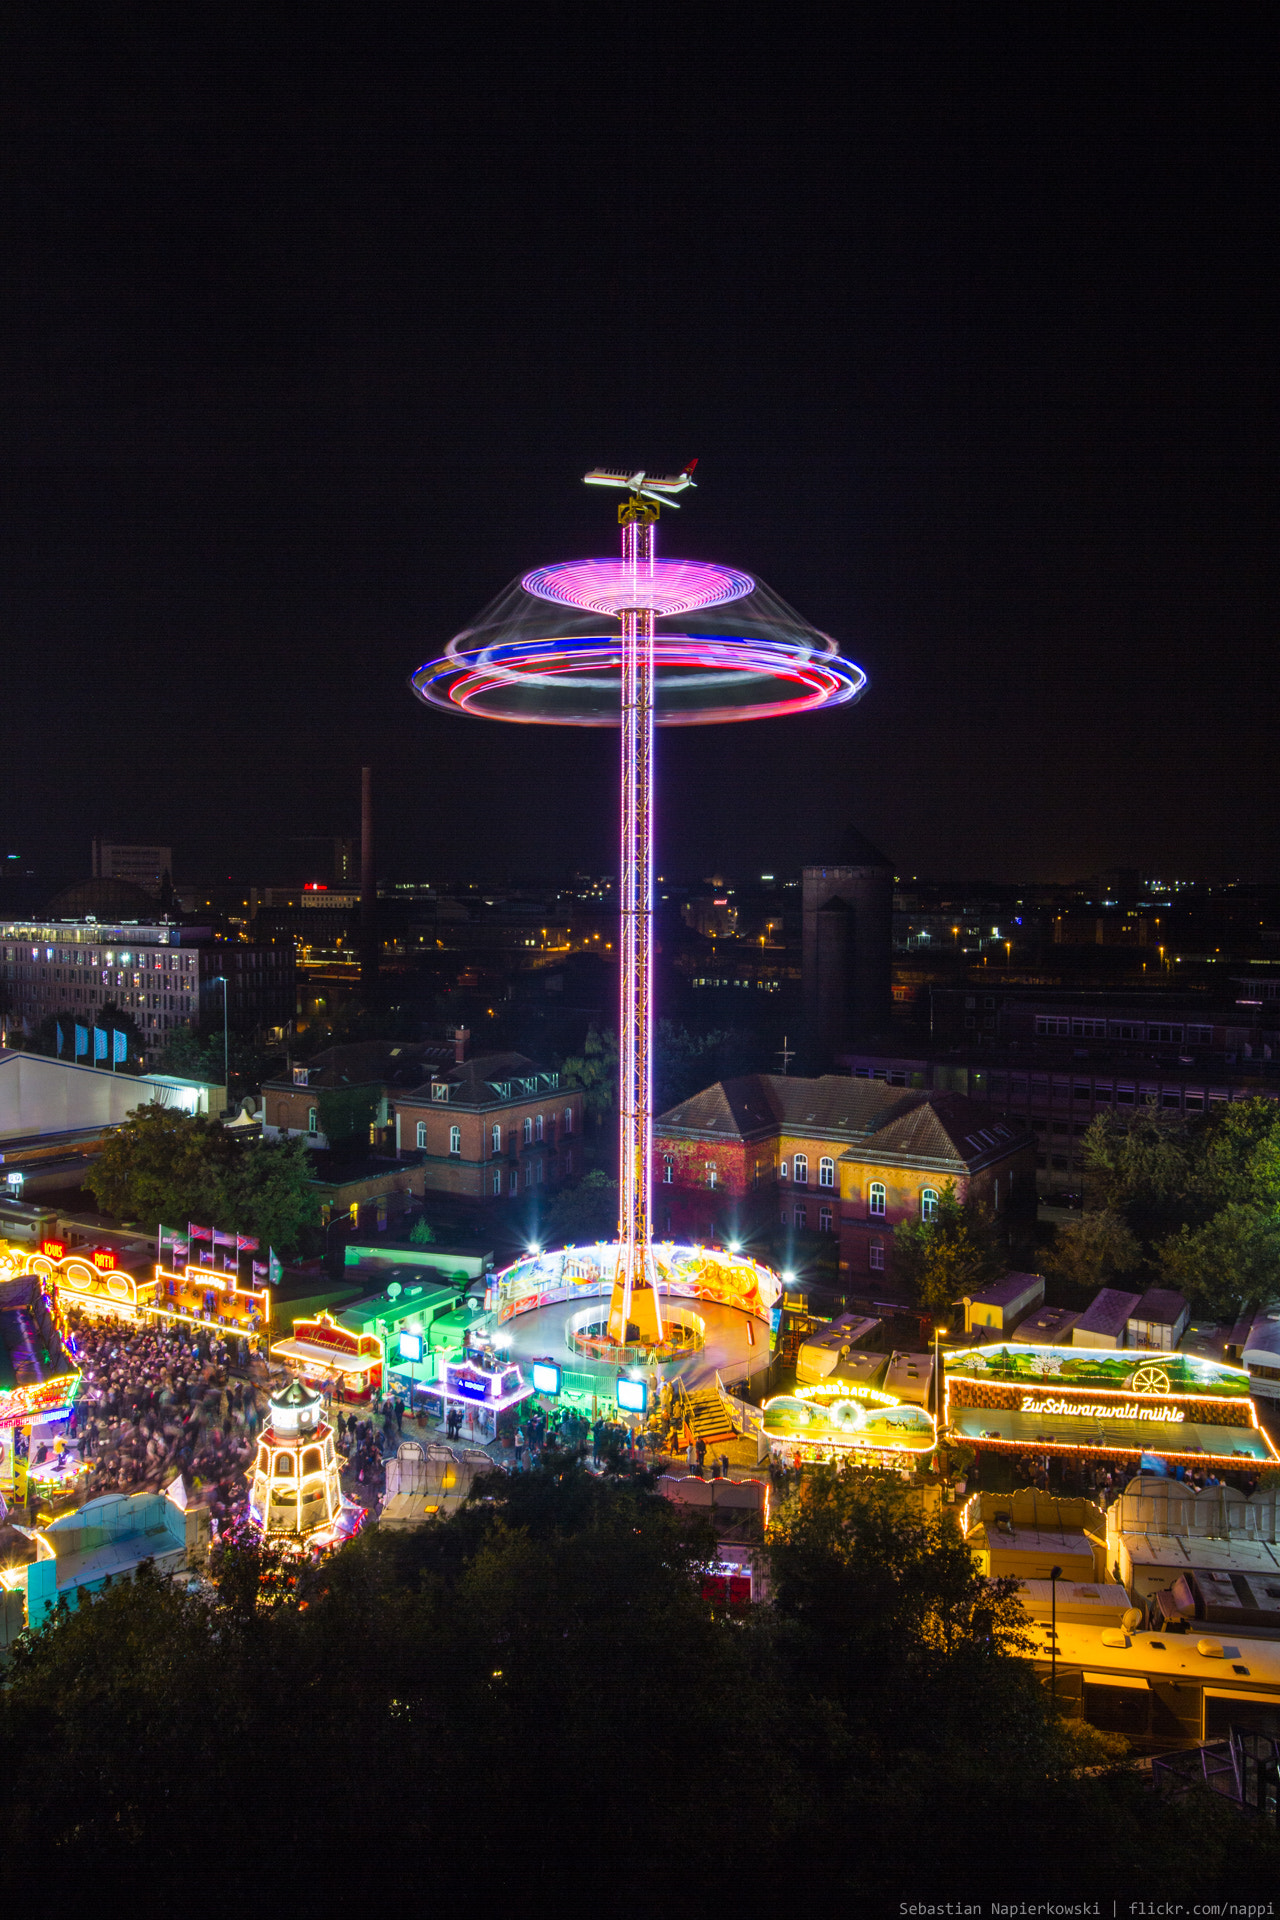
(226, 1046)
(938, 1333)
(1055, 1574)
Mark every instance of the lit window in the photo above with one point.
(455, 1139)
(802, 1169)
(422, 1133)
(528, 1130)
(668, 1169)
(711, 1173)
(568, 1119)
(876, 1200)
(826, 1172)
(782, 1170)
(496, 1137)
(929, 1203)
(537, 1128)
(312, 1117)
(875, 1256)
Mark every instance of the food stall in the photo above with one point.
(322, 1351)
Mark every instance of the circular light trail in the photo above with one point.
(700, 679)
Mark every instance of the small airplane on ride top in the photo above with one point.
(644, 486)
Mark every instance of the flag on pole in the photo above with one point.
(275, 1270)
(172, 1241)
(246, 1243)
(223, 1239)
(205, 1258)
(230, 1263)
(99, 1043)
(82, 1041)
(260, 1270)
(120, 1046)
(198, 1233)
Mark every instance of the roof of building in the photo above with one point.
(362, 1063)
(1263, 1343)
(1107, 1312)
(105, 899)
(1006, 1292)
(1162, 1304)
(480, 1082)
(879, 1121)
(1046, 1326)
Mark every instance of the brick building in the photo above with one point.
(836, 1155)
(486, 1131)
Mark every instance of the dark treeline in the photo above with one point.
(533, 1702)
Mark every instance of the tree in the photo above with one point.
(685, 1062)
(196, 1055)
(954, 1252)
(345, 1115)
(172, 1166)
(585, 1212)
(1092, 1251)
(422, 1233)
(1144, 1167)
(595, 1071)
(1230, 1262)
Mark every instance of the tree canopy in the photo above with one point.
(1198, 1199)
(547, 1657)
(957, 1250)
(172, 1166)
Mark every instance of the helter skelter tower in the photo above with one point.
(538, 654)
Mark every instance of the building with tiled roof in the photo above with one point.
(487, 1130)
(833, 1155)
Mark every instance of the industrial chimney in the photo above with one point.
(368, 888)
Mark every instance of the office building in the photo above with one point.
(145, 867)
(847, 951)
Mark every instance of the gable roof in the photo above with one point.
(875, 1120)
(362, 1063)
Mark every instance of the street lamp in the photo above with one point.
(1055, 1574)
(226, 1047)
(938, 1333)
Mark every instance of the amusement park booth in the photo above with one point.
(296, 1493)
(200, 1297)
(483, 1387)
(322, 1349)
(1113, 1404)
(108, 1539)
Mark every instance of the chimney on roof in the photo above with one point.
(461, 1039)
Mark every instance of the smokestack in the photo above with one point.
(461, 1037)
(368, 886)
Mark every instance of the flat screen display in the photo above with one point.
(632, 1396)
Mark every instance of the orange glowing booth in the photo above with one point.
(296, 1492)
(199, 1297)
(320, 1349)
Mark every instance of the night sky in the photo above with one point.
(314, 316)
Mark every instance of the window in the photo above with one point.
(929, 1203)
(497, 1182)
(537, 1128)
(876, 1200)
(528, 1130)
(875, 1256)
(996, 1207)
(668, 1170)
(784, 1217)
(1089, 1029)
(802, 1216)
(824, 1219)
(515, 1181)
(1199, 1036)
(1165, 1033)
(568, 1160)
(312, 1117)
(711, 1173)
(782, 1170)
(1052, 1023)
(455, 1139)
(801, 1169)
(528, 1173)
(422, 1133)
(541, 1169)
(826, 1171)
(495, 1136)
(568, 1119)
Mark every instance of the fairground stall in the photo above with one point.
(296, 1494)
(323, 1352)
(1116, 1403)
(832, 1422)
(214, 1302)
(479, 1388)
(38, 1377)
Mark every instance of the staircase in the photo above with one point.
(707, 1416)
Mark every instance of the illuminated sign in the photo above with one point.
(53, 1249)
(848, 1424)
(411, 1346)
(632, 1396)
(1099, 1409)
(104, 1257)
(546, 1376)
(845, 1390)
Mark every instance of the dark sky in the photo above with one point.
(314, 316)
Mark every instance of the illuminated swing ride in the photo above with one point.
(694, 644)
